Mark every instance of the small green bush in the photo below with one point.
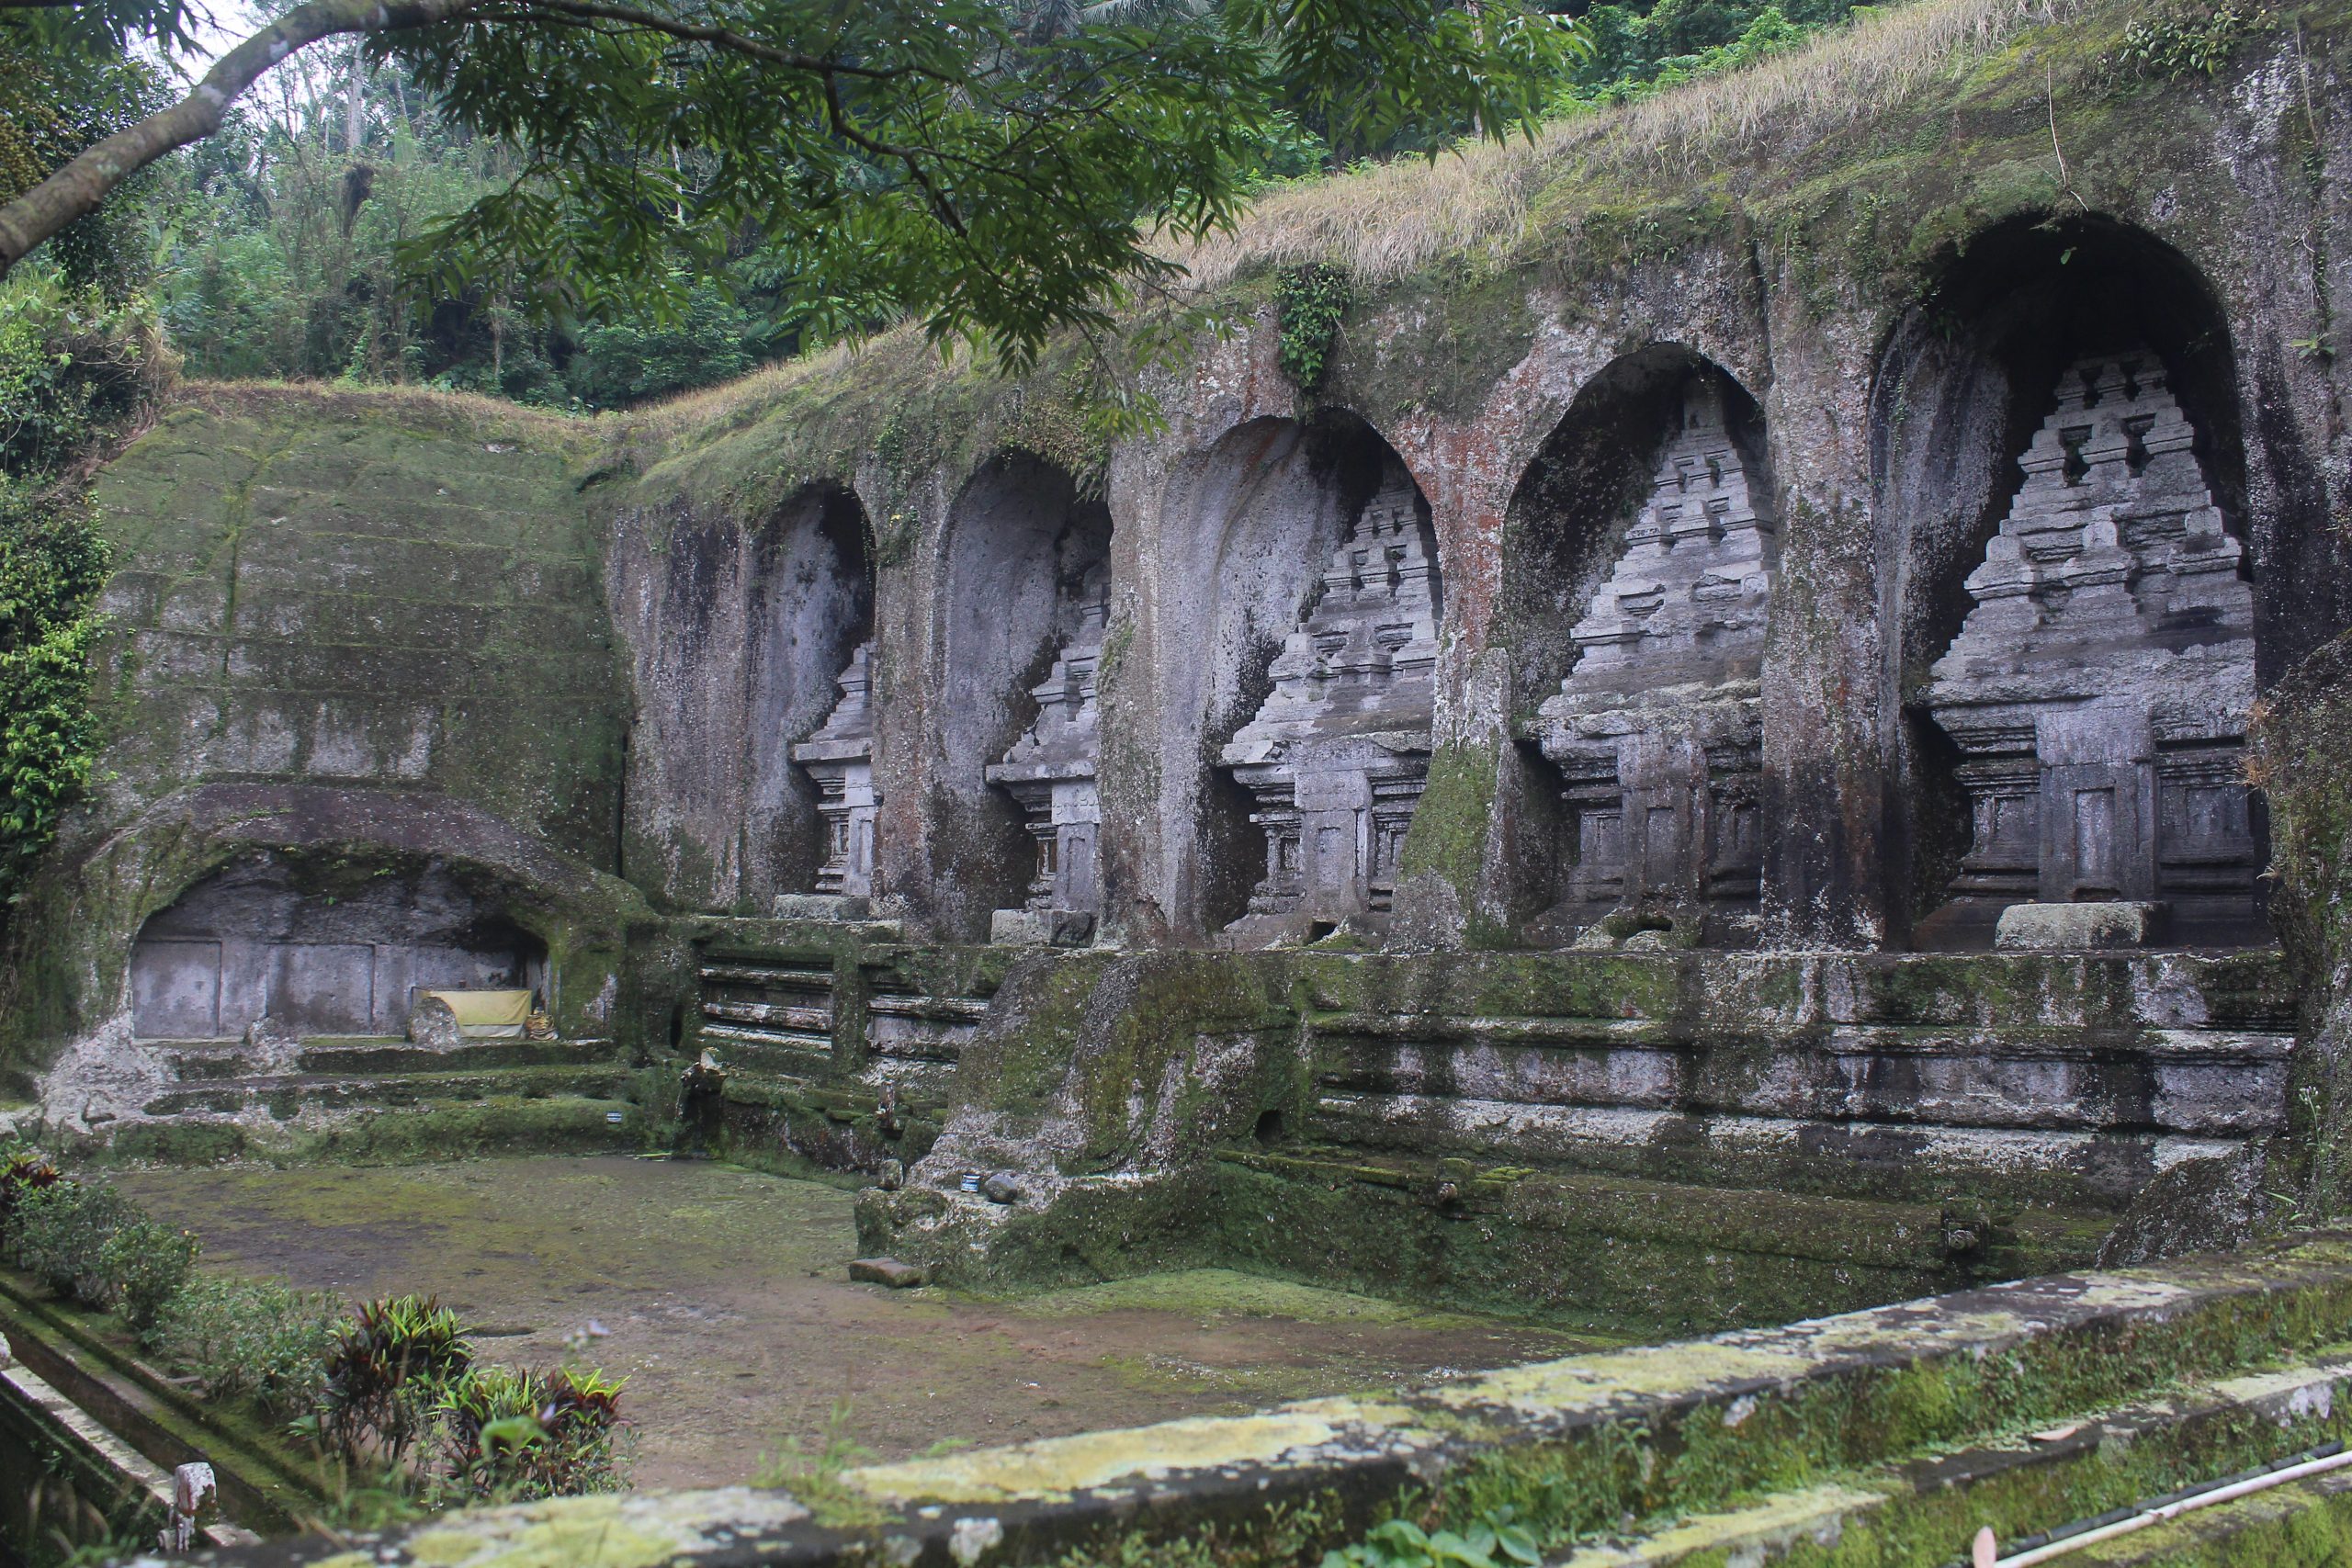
(386, 1372)
(1497, 1540)
(257, 1340)
(24, 1170)
(145, 1265)
(1310, 300)
(59, 1234)
(2189, 39)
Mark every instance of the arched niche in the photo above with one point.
(1638, 552)
(1297, 716)
(740, 633)
(1026, 575)
(2061, 485)
(328, 948)
(812, 601)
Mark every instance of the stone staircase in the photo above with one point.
(839, 1049)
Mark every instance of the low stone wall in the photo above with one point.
(1684, 1140)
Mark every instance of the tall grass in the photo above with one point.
(1387, 223)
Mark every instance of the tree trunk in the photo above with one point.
(85, 183)
(351, 116)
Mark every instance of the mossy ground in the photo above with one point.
(730, 1312)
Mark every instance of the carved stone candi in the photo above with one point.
(1656, 728)
(840, 757)
(1050, 770)
(1338, 754)
(2099, 687)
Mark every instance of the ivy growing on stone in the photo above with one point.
(2190, 39)
(52, 564)
(1310, 300)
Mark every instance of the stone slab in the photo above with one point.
(887, 1272)
(821, 907)
(2078, 927)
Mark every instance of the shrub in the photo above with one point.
(386, 1372)
(1309, 300)
(2189, 39)
(59, 1234)
(145, 1265)
(24, 1171)
(1497, 1540)
(259, 1340)
(515, 1435)
(52, 561)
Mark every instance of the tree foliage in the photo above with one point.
(79, 361)
(1640, 47)
(957, 161)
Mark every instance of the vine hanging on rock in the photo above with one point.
(1310, 301)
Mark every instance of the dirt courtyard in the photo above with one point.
(727, 1303)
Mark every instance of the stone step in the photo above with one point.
(1730, 995)
(1858, 1230)
(284, 1095)
(2214, 1085)
(2093, 1166)
(209, 1060)
(761, 1053)
(2025, 1041)
(777, 1018)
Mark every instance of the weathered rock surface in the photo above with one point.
(433, 1025)
(886, 1271)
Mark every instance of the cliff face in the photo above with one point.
(1890, 253)
(355, 640)
(1719, 454)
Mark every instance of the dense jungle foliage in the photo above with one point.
(81, 359)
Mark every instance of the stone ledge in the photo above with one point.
(1857, 1389)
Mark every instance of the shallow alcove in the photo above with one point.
(1026, 574)
(328, 950)
(1309, 570)
(1637, 557)
(741, 634)
(812, 599)
(2075, 623)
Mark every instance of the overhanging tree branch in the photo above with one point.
(718, 38)
(83, 184)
